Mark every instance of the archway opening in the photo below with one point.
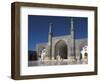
(61, 49)
(85, 55)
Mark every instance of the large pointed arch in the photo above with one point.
(61, 49)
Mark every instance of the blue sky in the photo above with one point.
(38, 27)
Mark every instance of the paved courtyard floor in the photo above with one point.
(54, 62)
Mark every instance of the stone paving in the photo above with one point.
(55, 62)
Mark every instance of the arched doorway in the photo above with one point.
(61, 49)
(85, 55)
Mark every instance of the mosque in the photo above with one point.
(65, 47)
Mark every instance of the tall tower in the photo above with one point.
(72, 39)
(50, 41)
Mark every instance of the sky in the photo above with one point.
(38, 28)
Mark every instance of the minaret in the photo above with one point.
(72, 39)
(50, 41)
